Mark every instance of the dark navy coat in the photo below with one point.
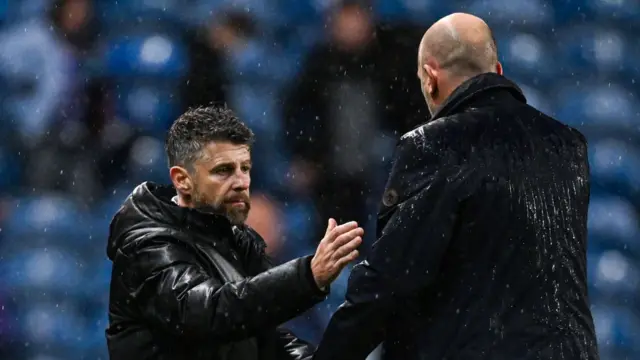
(482, 237)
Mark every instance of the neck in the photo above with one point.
(449, 87)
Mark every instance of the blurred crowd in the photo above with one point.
(89, 87)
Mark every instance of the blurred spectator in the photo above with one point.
(333, 116)
(266, 219)
(206, 82)
(340, 120)
(56, 108)
(39, 58)
(74, 21)
(253, 90)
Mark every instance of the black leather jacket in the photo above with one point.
(482, 238)
(188, 285)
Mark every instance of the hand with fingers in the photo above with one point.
(335, 251)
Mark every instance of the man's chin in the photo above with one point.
(238, 217)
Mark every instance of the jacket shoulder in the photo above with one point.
(579, 136)
(429, 143)
(436, 132)
(569, 135)
(148, 252)
(420, 155)
(142, 237)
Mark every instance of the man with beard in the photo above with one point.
(190, 280)
(481, 245)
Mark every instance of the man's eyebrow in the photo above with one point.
(232, 163)
(221, 164)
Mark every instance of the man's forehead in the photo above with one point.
(222, 152)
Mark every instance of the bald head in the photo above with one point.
(460, 44)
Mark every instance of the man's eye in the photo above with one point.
(246, 169)
(222, 170)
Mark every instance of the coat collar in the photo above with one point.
(156, 201)
(473, 88)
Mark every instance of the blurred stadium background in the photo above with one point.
(89, 86)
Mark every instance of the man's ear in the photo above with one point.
(499, 69)
(181, 179)
(431, 72)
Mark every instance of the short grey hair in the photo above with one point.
(197, 127)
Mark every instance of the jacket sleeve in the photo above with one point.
(287, 345)
(177, 295)
(405, 259)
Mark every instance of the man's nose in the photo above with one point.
(242, 180)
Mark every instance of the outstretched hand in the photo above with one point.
(337, 248)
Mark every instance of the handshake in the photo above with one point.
(337, 248)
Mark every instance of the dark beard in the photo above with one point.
(208, 208)
(235, 216)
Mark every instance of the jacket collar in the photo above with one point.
(156, 202)
(474, 87)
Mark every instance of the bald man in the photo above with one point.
(481, 244)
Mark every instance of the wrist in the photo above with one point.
(318, 284)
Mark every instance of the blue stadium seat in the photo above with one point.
(82, 243)
(149, 106)
(112, 202)
(535, 97)
(571, 12)
(615, 164)
(97, 278)
(10, 169)
(295, 13)
(94, 341)
(154, 55)
(592, 50)
(627, 11)
(513, 13)
(617, 329)
(600, 104)
(4, 11)
(122, 11)
(298, 220)
(147, 161)
(614, 276)
(613, 224)
(525, 55)
(57, 328)
(44, 269)
(415, 11)
(44, 215)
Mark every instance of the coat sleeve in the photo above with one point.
(405, 259)
(177, 295)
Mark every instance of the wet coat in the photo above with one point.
(481, 249)
(188, 285)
